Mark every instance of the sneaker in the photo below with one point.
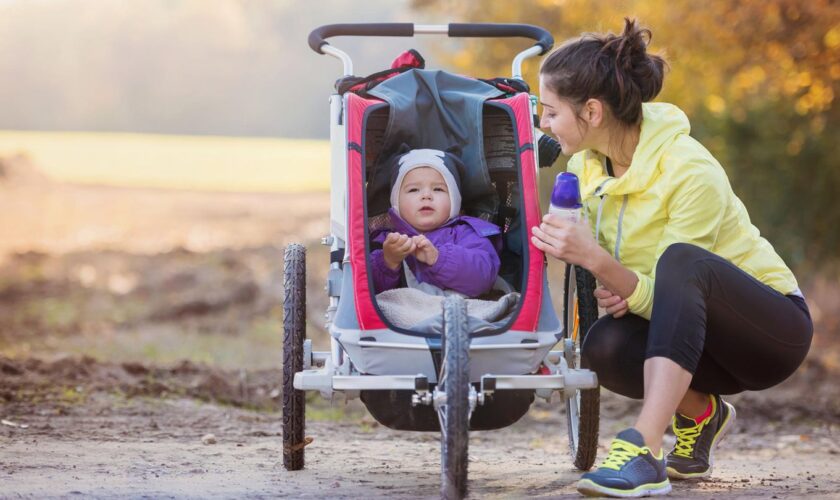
(692, 455)
(630, 470)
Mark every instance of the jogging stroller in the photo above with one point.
(455, 380)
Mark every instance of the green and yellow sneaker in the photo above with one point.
(692, 454)
(630, 470)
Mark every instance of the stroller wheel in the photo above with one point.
(455, 414)
(294, 331)
(582, 409)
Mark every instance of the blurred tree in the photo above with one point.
(757, 78)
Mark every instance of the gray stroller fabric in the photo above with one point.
(438, 110)
(411, 281)
(422, 312)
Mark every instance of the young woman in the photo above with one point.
(698, 303)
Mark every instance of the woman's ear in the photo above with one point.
(593, 112)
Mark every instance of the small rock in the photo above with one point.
(208, 439)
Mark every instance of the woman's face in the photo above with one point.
(562, 120)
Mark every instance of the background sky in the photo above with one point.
(221, 67)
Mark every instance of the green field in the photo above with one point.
(175, 162)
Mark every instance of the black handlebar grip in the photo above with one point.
(484, 30)
(318, 36)
(549, 151)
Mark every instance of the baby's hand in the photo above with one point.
(395, 248)
(426, 251)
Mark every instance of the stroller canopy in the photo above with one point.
(438, 110)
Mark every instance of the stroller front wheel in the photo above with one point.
(455, 414)
(294, 331)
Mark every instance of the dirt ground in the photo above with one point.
(76, 426)
(140, 356)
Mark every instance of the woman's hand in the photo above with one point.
(567, 240)
(425, 252)
(395, 248)
(610, 302)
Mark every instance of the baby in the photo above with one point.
(442, 249)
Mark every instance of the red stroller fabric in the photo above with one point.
(368, 318)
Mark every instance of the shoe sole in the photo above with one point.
(590, 488)
(730, 419)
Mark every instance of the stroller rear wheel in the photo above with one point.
(294, 331)
(455, 414)
(582, 408)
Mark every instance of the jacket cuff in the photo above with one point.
(441, 271)
(383, 274)
(640, 302)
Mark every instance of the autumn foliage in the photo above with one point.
(760, 81)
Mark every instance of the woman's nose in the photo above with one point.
(544, 122)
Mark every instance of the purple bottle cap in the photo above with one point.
(566, 193)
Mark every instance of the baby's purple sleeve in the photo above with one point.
(469, 266)
(384, 278)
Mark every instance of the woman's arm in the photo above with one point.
(695, 208)
(573, 243)
(612, 274)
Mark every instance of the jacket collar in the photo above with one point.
(662, 124)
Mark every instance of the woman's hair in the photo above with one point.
(613, 68)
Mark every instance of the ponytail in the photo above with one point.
(614, 68)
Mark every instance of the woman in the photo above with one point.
(698, 303)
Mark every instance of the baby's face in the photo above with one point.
(424, 199)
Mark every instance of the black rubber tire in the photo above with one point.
(589, 401)
(294, 333)
(454, 451)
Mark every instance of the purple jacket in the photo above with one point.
(468, 261)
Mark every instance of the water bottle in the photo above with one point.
(565, 198)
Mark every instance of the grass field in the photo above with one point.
(178, 162)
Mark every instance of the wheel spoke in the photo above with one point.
(582, 412)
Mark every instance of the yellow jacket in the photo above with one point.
(674, 191)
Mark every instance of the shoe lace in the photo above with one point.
(686, 437)
(620, 452)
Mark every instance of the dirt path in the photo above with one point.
(155, 450)
(93, 439)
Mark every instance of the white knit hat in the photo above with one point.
(431, 158)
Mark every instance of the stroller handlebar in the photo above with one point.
(484, 30)
(318, 36)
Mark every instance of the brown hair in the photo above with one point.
(613, 68)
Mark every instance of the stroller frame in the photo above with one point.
(340, 369)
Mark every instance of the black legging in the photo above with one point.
(732, 332)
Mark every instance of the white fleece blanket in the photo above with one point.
(419, 311)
